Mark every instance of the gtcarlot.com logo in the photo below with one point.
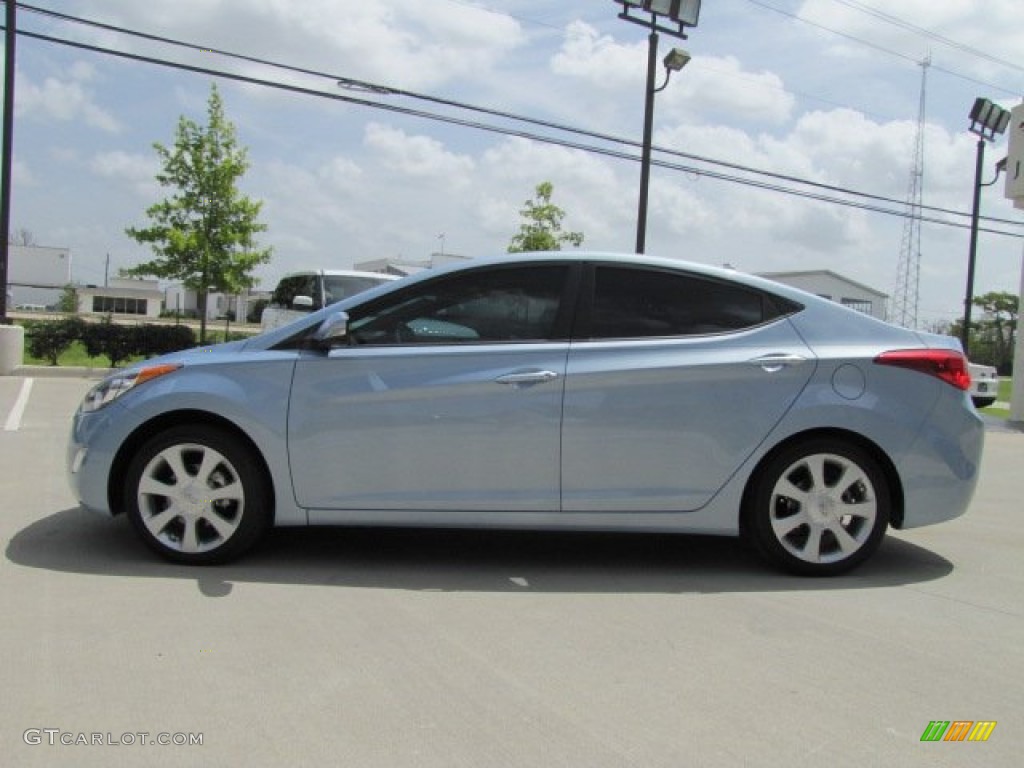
(59, 737)
(958, 730)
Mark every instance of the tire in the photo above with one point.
(818, 508)
(196, 494)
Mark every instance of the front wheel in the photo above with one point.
(818, 508)
(196, 495)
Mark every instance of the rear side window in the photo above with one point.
(632, 302)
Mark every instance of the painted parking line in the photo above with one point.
(14, 417)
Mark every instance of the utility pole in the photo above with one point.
(8, 154)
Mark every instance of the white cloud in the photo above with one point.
(64, 100)
(416, 155)
(708, 86)
(407, 43)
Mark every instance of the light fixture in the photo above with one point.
(685, 12)
(676, 59)
(988, 120)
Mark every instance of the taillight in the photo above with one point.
(946, 364)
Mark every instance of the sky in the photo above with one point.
(824, 90)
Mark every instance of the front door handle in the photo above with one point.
(776, 362)
(521, 379)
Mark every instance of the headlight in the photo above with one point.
(112, 388)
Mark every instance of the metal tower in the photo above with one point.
(903, 309)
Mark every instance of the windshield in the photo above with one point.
(338, 287)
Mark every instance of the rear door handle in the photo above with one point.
(521, 379)
(776, 362)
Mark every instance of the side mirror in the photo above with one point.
(332, 330)
(303, 302)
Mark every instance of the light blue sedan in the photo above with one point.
(549, 391)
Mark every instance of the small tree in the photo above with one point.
(541, 229)
(68, 301)
(203, 234)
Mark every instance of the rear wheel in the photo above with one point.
(819, 507)
(196, 494)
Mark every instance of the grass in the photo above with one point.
(75, 355)
(1005, 388)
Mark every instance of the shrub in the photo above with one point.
(49, 339)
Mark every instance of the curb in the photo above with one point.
(61, 372)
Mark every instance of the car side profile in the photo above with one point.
(580, 391)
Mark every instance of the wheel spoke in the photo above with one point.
(151, 486)
(175, 460)
(786, 525)
(816, 466)
(232, 491)
(223, 527)
(190, 539)
(812, 549)
(211, 460)
(847, 543)
(785, 487)
(159, 521)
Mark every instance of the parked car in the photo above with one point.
(984, 384)
(545, 391)
(299, 293)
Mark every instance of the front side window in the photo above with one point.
(630, 303)
(482, 306)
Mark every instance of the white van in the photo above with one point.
(299, 293)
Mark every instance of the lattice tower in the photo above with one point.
(903, 307)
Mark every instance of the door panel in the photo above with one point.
(447, 427)
(661, 424)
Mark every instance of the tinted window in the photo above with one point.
(297, 285)
(637, 302)
(487, 305)
(338, 287)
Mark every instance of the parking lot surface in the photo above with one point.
(406, 648)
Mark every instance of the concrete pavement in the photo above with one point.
(403, 648)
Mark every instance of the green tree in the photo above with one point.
(996, 330)
(203, 233)
(68, 301)
(541, 229)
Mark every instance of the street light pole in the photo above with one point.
(972, 256)
(988, 120)
(645, 158)
(670, 17)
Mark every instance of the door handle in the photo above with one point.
(776, 362)
(521, 379)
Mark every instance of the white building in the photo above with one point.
(179, 299)
(833, 286)
(122, 296)
(403, 267)
(36, 275)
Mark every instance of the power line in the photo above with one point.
(883, 49)
(547, 139)
(376, 88)
(903, 24)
